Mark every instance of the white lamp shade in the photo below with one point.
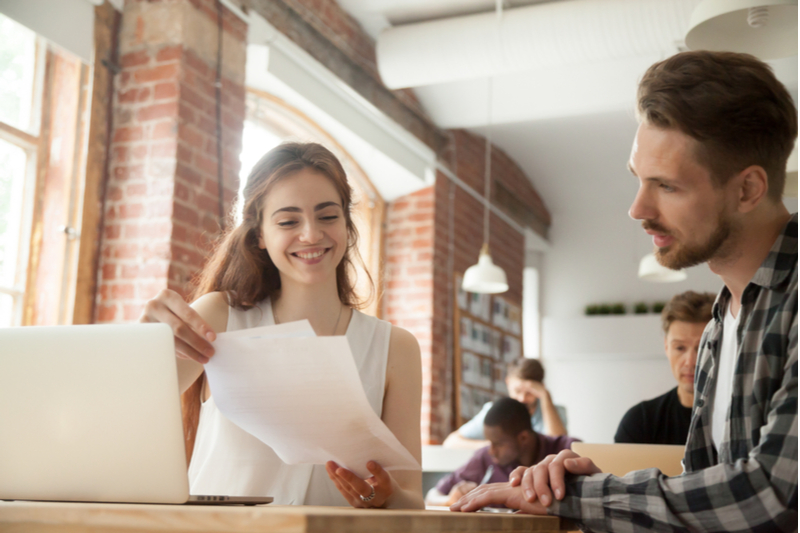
(485, 277)
(766, 29)
(651, 270)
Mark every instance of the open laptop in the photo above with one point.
(92, 413)
(619, 459)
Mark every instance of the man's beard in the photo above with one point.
(677, 256)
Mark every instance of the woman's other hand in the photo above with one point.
(355, 489)
(193, 335)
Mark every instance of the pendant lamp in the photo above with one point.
(766, 29)
(651, 270)
(486, 277)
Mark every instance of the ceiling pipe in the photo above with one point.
(569, 32)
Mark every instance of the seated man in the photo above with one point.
(524, 382)
(716, 130)
(513, 443)
(665, 420)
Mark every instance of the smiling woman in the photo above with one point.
(269, 121)
(292, 258)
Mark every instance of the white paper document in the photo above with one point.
(302, 396)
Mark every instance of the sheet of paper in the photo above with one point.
(302, 396)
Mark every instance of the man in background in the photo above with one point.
(524, 380)
(665, 420)
(716, 130)
(512, 443)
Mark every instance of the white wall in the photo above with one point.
(598, 367)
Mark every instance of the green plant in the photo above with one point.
(603, 309)
(618, 309)
(640, 308)
(591, 309)
(658, 307)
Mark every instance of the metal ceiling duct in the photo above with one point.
(569, 32)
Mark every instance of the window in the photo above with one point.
(531, 317)
(20, 64)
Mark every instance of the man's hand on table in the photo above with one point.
(531, 490)
(459, 490)
(497, 494)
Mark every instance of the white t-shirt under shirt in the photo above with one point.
(728, 355)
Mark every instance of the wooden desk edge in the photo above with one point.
(62, 517)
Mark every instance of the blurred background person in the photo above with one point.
(512, 443)
(524, 381)
(665, 419)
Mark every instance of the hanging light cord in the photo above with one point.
(488, 171)
(488, 168)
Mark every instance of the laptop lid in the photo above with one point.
(91, 413)
(619, 459)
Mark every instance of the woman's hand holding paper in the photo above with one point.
(193, 335)
(359, 492)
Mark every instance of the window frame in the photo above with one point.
(29, 141)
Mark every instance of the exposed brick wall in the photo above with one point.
(161, 206)
(430, 235)
(332, 37)
(346, 34)
(408, 280)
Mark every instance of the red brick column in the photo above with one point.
(434, 233)
(161, 206)
(408, 280)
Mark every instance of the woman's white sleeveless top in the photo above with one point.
(229, 461)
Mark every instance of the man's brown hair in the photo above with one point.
(689, 306)
(732, 104)
(528, 369)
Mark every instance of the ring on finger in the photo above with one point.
(370, 497)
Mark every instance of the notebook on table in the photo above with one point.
(92, 414)
(619, 459)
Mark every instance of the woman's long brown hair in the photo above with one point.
(245, 272)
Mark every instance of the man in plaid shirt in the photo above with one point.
(716, 130)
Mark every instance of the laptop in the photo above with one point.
(619, 459)
(93, 414)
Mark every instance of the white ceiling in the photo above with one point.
(534, 105)
(377, 15)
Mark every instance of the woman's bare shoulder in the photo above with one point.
(403, 348)
(213, 308)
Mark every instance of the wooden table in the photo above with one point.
(51, 517)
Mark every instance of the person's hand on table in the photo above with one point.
(497, 494)
(545, 479)
(362, 493)
(462, 488)
(193, 336)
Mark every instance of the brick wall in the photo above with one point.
(435, 233)
(408, 279)
(161, 206)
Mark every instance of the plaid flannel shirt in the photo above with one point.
(750, 484)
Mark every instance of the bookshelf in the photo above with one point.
(488, 336)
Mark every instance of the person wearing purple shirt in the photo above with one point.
(513, 443)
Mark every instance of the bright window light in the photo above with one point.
(256, 141)
(17, 70)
